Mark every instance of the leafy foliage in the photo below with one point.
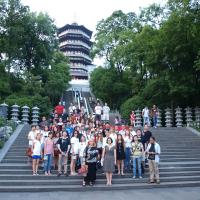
(33, 71)
(158, 50)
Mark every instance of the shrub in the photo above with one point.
(131, 104)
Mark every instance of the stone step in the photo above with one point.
(99, 176)
(19, 160)
(28, 170)
(68, 181)
(180, 166)
(166, 156)
(178, 159)
(97, 187)
(162, 165)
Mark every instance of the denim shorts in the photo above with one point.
(36, 157)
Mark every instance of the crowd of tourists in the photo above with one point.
(71, 141)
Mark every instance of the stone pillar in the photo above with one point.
(159, 122)
(15, 112)
(35, 115)
(4, 110)
(138, 118)
(179, 120)
(168, 117)
(188, 116)
(197, 116)
(25, 114)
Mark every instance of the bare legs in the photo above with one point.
(120, 167)
(35, 163)
(72, 166)
(62, 160)
(109, 178)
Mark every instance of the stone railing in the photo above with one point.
(23, 114)
(178, 117)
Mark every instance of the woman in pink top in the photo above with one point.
(48, 153)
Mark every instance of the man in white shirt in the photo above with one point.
(106, 111)
(72, 108)
(98, 112)
(153, 154)
(145, 115)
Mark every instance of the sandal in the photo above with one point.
(59, 174)
(83, 184)
(91, 183)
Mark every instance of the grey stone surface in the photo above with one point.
(193, 130)
(149, 194)
(11, 140)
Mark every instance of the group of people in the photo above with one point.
(146, 115)
(90, 143)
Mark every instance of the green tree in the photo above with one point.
(159, 53)
(58, 77)
(32, 69)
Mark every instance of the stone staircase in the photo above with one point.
(179, 167)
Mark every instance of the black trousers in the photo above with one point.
(91, 175)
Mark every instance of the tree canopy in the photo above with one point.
(158, 51)
(32, 69)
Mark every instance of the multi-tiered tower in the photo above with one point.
(75, 43)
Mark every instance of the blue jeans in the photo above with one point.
(47, 163)
(146, 121)
(137, 164)
(127, 158)
(155, 121)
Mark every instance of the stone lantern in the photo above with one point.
(138, 118)
(179, 120)
(35, 115)
(159, 122)
(25, 114)
(15, 112)
(197, 116)
(168, 117)
(4, 110)
(188, 116)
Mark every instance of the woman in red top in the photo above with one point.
(59, 109)
(132, 118)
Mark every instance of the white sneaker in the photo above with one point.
(134, 177)
(140, 177)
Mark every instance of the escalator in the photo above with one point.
(68, 98)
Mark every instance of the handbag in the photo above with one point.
(56, 151)
(83, 170)
(29, 152)
(151, 157)
(45, 157)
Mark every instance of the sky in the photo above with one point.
(85, 12)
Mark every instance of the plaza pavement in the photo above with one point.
(188, 193)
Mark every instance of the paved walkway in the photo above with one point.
(149, 194)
